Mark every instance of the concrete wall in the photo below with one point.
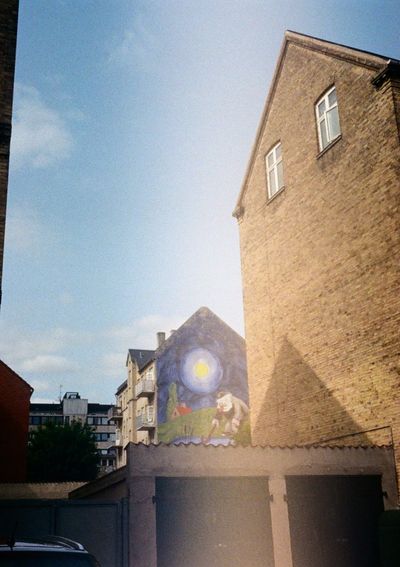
(320, 266)
(147, 463)
(43, 490)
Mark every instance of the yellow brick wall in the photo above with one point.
(321, 264)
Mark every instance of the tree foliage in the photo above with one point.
(58, 453)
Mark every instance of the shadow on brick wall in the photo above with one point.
(299, 409)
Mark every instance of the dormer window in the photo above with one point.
(274, 167)
(327, 115)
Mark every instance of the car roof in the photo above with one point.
(48, 543)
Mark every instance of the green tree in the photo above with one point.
(58, 453)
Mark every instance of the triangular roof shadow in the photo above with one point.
(298, 408)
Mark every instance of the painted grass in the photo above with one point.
(198, 424)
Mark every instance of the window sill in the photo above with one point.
(329, 146)
(270, 199)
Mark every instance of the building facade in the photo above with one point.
(191, 389)
(15, 394)
(128, 405)
(319, 216)
(74, 408)
(8, 40)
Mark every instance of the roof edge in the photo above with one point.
(17, 376)
(329, 48)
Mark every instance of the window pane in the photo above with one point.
(333, 121)
(321, 108)
(279, 168)
(324, 134)
(332, 97)
(270, 159)
(272, 184)
(278, 151)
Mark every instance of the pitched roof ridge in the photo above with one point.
(298, 37)
(345, 52)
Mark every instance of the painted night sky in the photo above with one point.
(203, 357)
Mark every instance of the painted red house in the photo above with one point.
(15, 396)
(180, 410)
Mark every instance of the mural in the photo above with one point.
(202, 394)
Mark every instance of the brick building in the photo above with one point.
(319, 216)
(8, 38)
(15, 394)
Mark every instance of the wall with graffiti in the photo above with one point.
(202, 393)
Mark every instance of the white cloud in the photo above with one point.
(20, 347)
(113, 363)
(141, 333)
(138, 47)
(24, 230)
(40, 136)
(48, 363)
(66, 298)
(39, 385)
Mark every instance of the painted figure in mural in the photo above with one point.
(230, 409)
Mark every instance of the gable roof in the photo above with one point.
(145, 357)
(140, 356)
(360, 57)
(200, 314)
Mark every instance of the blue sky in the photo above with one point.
(133, 123)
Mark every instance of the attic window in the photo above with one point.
(274, 167)
(327, 116)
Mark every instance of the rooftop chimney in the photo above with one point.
(160, 338)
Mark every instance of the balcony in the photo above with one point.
(145, 387)
(146, 419)
(117, 441)
(114, 413)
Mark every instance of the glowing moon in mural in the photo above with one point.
(201, 371)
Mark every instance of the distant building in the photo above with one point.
(191, 389)
(8, 39)
(73, 408)
(15, 394)
(320, 245)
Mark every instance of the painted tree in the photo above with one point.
(172, 399)
(58, 453)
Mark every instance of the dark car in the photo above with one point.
(52, 551)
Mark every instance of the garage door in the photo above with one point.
(334, 520)
(213, 522)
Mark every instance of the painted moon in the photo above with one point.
(201, 371)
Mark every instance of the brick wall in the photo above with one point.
(15, 394)
(8, 36)
(320, 263)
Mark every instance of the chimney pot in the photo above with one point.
(160, 338)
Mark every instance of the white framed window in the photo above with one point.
(327, 115)
(274, 167)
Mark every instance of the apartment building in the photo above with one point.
(74, 408)
(318, 216)
(191, 389)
